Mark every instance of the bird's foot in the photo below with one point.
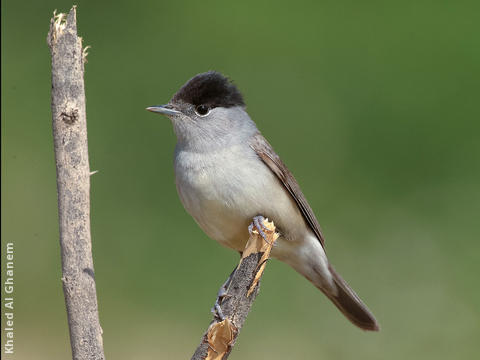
(217, 310)
(222, 294)
(258, 223)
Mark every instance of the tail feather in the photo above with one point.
(348, 302)
(311, 261)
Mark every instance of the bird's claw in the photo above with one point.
(222, 293)
(258, 223)
(217, 310)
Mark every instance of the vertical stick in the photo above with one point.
(73, 184)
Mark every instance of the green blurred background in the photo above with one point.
(373, 105)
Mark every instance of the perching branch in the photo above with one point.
(73, 184)
(237, 298)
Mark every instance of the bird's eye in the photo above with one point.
(202, 110)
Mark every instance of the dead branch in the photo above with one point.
(237, 298)
(73, 184)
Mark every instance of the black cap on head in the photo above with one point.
(211, 89)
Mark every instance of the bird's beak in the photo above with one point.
(163, 109)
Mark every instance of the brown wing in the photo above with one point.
(265, 151)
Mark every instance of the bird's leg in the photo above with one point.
(222, 293)
(258, 223)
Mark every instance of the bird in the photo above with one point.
(228, 176)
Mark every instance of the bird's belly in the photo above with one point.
(224, 197)
(223, 224)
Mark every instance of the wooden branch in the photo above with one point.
(237, 299)
(73, 184)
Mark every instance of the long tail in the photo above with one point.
(348, 302)
(310, 260)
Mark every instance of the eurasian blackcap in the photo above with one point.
(228, 174)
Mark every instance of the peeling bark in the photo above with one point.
(237, 299)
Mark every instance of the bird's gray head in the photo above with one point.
(208, 112)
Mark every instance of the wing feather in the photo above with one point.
(265, 151)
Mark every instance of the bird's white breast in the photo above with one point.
(224, 189)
